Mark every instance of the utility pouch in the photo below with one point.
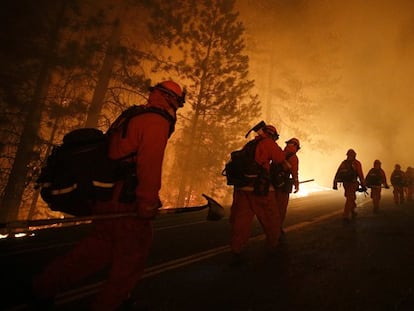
(261, 184)
(288, 185)
(277, 176)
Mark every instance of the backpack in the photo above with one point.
(373, 178)
(242, 169)
(79, 172)
(346, 172)
(398, 179)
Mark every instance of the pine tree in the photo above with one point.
(60, 69)
(17, 178)
(205, 50)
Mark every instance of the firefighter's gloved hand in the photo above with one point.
(149, 211)
(296, 187)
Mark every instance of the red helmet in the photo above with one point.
(173, 89)
(172, 86)
(294, 141)
(271, 130)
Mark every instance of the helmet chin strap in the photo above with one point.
(174, 107)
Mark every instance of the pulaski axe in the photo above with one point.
(256, 128)
(215, 212)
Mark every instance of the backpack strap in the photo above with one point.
(123, 119)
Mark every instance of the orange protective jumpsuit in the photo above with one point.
(376, 189)
(246, 204)
(283, 193)
(351, 188)
(122, 244)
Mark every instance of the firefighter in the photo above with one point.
(398, 182)
(121, 244)
(350, 174)
(248, 201)
(290, 176)
(409, 174)
(375, 179)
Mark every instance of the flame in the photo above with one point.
(308, 188)
(16, 235)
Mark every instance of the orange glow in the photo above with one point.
(308, 188)
(16, 235)
(337, 75)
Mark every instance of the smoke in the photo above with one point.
(354, 61)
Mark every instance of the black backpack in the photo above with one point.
(79, 172)
(242, 169)
(373, 178)
(346, 172)
(398, 179)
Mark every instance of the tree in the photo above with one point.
(16, 181)
(205, 46)
(83, 46)
(295, 52)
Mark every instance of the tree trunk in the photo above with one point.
(16, 182)
(104, 76)
(189, 163)
(36, 194)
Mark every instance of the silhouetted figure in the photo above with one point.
(409, 174)
(375, 179)
(290, 177)
(350, 174)
(398, 182)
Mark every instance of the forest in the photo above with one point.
(334, 74)
(73, 64)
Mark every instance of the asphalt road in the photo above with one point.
(322, 264)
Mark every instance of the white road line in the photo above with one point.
(183, 261)
(91, 289)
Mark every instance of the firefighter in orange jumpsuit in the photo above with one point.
(291, 177)
(349, 172)
(246, 203)
(121, 244)
(375, 179)
(398, 182)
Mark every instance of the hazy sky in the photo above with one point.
(354, 61)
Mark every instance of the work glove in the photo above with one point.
(149, 211)
(296, 187)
